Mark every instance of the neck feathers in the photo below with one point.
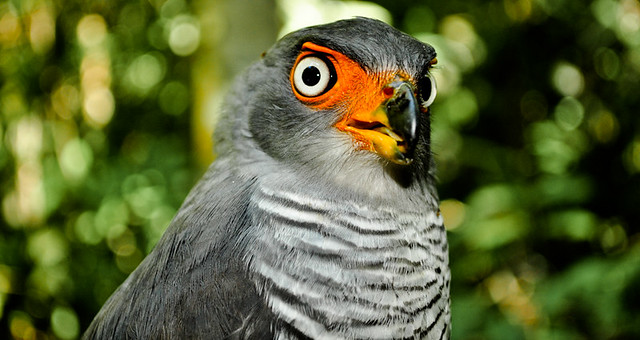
(341, 270)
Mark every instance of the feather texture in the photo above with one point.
(293, 233)
(183, 289)
(340, 270)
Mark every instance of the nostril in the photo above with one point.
(398, 104)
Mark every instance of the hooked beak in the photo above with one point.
(390, 130)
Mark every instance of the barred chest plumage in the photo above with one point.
(331, 270)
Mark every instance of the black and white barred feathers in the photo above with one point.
(306, 226)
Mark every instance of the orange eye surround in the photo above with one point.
(349, 83)
(378, 109)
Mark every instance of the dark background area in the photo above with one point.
(107, 108)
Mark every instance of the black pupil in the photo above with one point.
(311, 76)
(425, 88)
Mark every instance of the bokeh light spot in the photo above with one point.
(604, 126)
(128, 263)
(124, 246)
(6, 278)
(5, 281)
(10, 29)
(569, 113)
(512, 297)
(99, 106)
(122, 243)
(517, 10)
(26, 205)
(144, 199)
(10, 208)
(95, 71)
(85, 229)
(607, 63)
(174, 98)
(500, 285)
(12, 100)
(75, 160)
(632, 156)
(493, 200)
(469, 49)
(26, 136)
(112, 217)
(576, 225)
(184, 37)
(613, 238)
(65, 101)
(91, 30)
(457, 28)
(605, 11)
(144, 192)
(21, 326)
(554, 190)
(156, 35)
(64, 323)
(497, 230)
(146, 71)
(42, 30)
(171, 8)
(555, 147)
(453, 213)
(47, 247)
(567, 79)
(629, 19)
(460, 108)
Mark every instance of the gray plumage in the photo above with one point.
(293, 232)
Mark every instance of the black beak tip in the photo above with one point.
(403, 111)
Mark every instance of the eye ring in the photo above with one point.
(313, 76)
(427, 89)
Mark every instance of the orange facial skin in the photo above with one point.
(359, 95)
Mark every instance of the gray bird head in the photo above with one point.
(348, 101)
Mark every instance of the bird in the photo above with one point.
(319, 217)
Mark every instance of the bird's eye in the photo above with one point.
(313, 76)
(427, 90)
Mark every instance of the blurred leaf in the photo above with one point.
(576, 225)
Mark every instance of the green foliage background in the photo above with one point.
(535, 133)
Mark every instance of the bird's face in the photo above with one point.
(348, 93)
(378, 110)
